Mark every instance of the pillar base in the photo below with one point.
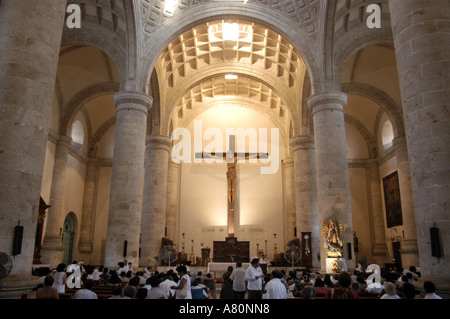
(14, 286)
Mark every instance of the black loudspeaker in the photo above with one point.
(125, 246)
(435, 242)
(349, 251)
(17, 242)
(295, 231)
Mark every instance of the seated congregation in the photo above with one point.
(98, 282)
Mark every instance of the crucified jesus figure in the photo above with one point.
(231, 176)
(231, 158)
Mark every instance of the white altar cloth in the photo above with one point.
(222, 267)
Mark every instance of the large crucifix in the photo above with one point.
(231, 157)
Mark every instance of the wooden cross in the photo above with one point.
(231, 158)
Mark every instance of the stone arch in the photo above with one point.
(83, 97)
(381, 98)
(248, 104)
(96, 138)
(368, 137)
(217, 72)
(103, 43)
(298, 37)
(109, 27)
(351, 33)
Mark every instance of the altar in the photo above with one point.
(231, 250)
(219, 268)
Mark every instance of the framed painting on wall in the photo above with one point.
(392, 200)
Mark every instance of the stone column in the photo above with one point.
(422, 47)
(289, 199)
(52, 249)
(155, 198)
(127, 180)
(409, 249)
(306, 192)
(30, 39)
(173, 199)
(379, 248)
(87, 217)
(333, 186)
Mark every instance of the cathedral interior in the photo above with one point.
(354, 116)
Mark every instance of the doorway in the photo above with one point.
(397, 256)
(68, 237)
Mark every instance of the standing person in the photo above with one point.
(253, 276)
(155, 292)
(227, 285)
(263, 263)
(60, 278)
(122, 268)
(184, 283)
(238, 276)
(209, 283)
(167, 282)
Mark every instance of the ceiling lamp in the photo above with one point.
(230, 31)
(231, 77)
(170, 6)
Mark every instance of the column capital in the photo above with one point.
(158, 141)
(65, 140)
(133, 100)
(305, 142)
(289, 161)
(327, 101)
(399, 141)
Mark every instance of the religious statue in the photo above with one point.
(355, 242)
(355, 247)
(333, 241)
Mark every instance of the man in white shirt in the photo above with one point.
(86, 292)
(238, 277)
(254, 276)
(155, 292)
(165, 286)
(430, 290)
(375, 288)
(275, 289)
(123, 267)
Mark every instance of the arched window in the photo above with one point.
(77, 134)
(387, 134)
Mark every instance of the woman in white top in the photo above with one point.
(185, 280)
(60, 278)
